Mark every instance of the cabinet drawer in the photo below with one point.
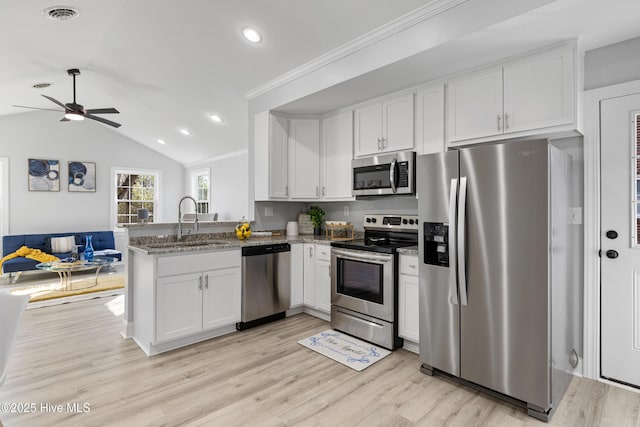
(323, 252)
(191, 262)
(409, 265)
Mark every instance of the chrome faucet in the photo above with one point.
(195, 223)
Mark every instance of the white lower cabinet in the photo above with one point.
(311, 276)
(297, 275)
(408, 297)
(176, 301)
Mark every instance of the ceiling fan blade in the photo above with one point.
(55, 101)
(64, 119)
(102, 111)
(37, 108)
(101, 120)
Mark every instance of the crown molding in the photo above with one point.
(387, 30)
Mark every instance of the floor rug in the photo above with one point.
(345, 349)
(53, 290)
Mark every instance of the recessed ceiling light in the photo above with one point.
(161, 141)
(216, 118)
(61, 13)
(252, 35)
(185, 132)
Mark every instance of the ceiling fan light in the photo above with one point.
(72, 115)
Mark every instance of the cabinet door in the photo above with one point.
(309, 266)
(475, 106)
(323, 285)
(221, 298)
(178, 306)
(278, 158)
(430, 120)
(297, 275)
(368, 130)
(337, 152)
(304, 159)
(397, 123)
(408, 312)
(261, 155)
(538, 92)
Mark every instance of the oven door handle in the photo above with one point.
(356, 256)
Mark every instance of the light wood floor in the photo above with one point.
(73, 353)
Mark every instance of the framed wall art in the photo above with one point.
(82, 177)
(44, 175)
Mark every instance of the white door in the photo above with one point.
(309, 263)
(620, 262)
(178, 306)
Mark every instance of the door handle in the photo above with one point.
(206, 281)
(392, 175)
(612, 234)
(200, 283)
(612, 254)
(462, 262)
(453, 251)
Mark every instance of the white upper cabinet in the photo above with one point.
(475, 105)
(304, 159)
(337, 151)
(529, 96)
(383, 126)
(430, 120)
(538, 93)
(271, 156)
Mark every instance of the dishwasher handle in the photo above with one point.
(273, 248)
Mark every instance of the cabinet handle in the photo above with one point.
(412, 266)
(310, 254)
(379, 142)
(317, 191)
(506, 121)
(384, 142)
(206, 281)
(499, 118)
(324, 190)
(200, 283)
(286, 190)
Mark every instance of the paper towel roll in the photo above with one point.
(292, 228)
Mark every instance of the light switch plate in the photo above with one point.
(268, 211)
(346, 211)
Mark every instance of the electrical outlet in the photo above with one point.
(346, 211)
(268, 211)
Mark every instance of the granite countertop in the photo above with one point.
(221, 243)
(409, 250)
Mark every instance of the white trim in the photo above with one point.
(158, 215)
(4, 196)
(421, 14)
(592, 231)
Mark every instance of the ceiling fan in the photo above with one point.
(75, 111)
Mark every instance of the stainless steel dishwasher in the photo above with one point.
(266, 284)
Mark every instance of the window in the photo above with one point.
(135, 190)
(200, 189)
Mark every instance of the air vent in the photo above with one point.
(41, 85)
(61, 13)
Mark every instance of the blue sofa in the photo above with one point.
(103, 245)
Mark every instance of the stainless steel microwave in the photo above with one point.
(384, 174)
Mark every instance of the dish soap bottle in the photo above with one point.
(88, 249)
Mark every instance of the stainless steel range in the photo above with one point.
(364, 279)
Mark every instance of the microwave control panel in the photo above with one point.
(403, 174)
(436, 243)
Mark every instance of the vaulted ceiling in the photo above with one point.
(167, 65)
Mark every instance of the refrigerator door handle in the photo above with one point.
(453, 255)
(462, 264)
(392, 175)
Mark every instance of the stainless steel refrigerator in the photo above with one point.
(495, 251)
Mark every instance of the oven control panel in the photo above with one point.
(391, 222)
(436, 243)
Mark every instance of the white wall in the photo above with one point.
(612, 64)
(41, 135)
(229, 183)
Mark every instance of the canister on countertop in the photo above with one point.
(292, 228)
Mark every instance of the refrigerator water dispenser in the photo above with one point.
(436, 243)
